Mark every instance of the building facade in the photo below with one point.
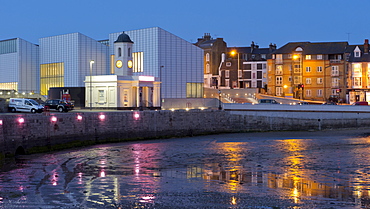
(358, 72)
(19, 66)
(65, 60)
(245, 67)
(213, 50)
(177, 63)
(312, 71)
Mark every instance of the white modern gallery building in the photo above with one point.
(175, 65)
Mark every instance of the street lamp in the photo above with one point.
(160, 85)
(91, 65)
(219, 100)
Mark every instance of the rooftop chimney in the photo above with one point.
(366, 46)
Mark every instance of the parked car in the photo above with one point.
(329, 103)
(58, 104)
(361, 103)
(267, 101)
(24, 105)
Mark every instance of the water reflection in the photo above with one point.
(143, 173)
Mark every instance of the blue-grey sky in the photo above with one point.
(239, 22)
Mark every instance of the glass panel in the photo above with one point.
(51, 75)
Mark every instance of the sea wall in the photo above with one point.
(31, 133)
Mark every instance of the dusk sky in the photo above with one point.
(239, 22)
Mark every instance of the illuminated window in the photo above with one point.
(357, 82)
(308, 57)
(138, 59)
(208, 68)
(279, 91)
(207, 57)
(319, 80)
(194, 90)
(9, 86)
(334, 82)
(51, 75)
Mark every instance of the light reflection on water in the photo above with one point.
(151, 172)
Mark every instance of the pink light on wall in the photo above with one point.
(79, 117)
(53, 119)
(20, 120)
(1, 122)
(136, 116)
(102, 117)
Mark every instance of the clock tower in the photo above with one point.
(123, 55)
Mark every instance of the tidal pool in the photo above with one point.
(326, 169)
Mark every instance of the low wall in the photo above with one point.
(30, 133)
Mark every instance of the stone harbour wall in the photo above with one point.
(32, 133)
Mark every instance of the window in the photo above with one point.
(129, 52)
(319, 92)
(279, 70)
(228, 64)
(308, 93)
(297, 79)
(308, 69)
(319, 69)
(319, 80)
(248, 66)
(357, 82)
(138, 63)
(319, 56)
(259, 66)
(334, 82)
(357, 54)
(334, 71)
(194, 90)
(208, 68)
(119, 52)
(308, 80)
(279, 91)
(259, 74)
(207, 57)
(101, 94)
(308, 57)
(279, 80)
(279, 58)
(357, 70)
(51, 75)
(227, 73)
(240, 74)
(227, 82)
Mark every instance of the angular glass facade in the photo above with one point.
(19, 66)
(175, 61)
(75, 51)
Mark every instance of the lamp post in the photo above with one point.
(219, 100)
(160, 86)
(91, 65)
(233, 53)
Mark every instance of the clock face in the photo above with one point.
(129, 64)
(119, 63)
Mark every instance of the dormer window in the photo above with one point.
(357, 52)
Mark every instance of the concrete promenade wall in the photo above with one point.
(38, 133)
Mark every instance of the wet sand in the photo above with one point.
(321, 169)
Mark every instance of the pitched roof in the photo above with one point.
(313, 48)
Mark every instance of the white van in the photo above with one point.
(24, 105)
